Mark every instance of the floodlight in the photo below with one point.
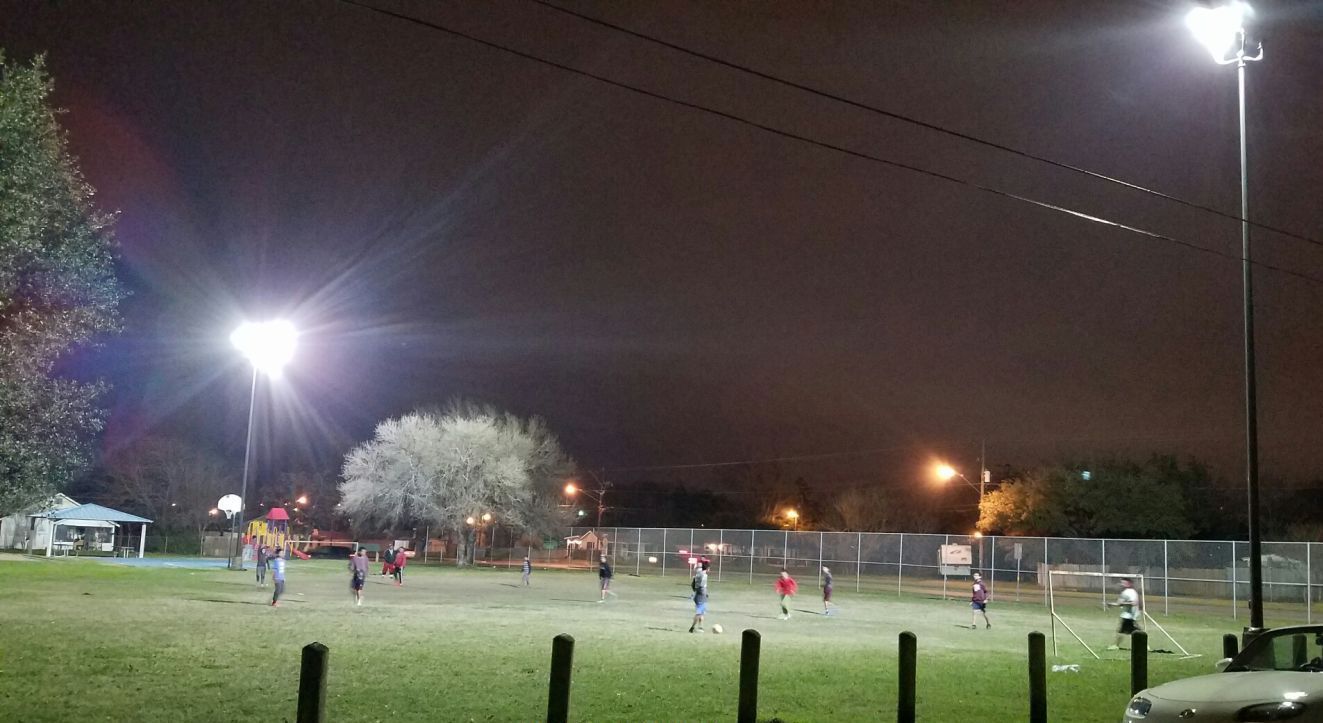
(269, 345)
(1217, 28)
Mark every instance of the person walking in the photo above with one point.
(826, 590)
(978, 603)
(699, 585)
(604, 575)
(786, 587)
(388, 566)
(262, 552)
(278, 576)
(528, 570)
(1128, 601)
(401, 559)
(358, 569)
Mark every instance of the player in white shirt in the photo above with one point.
(1128, 601)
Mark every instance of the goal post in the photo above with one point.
(1053, 584)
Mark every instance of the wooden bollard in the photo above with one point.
(1229, 645)
(312, 684)
(558, 692)
(750, 649)
(1037, 678)
(905, 698)
(1138, 661)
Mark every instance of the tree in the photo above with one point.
(445, 468)
(1119, 499)
(169, 481)
(58, 291)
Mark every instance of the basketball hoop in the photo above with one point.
(229, 504)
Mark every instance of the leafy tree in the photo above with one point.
(58, 291)
(443, 468)
(168, 480)
(1120, 499)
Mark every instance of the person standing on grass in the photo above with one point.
(978, 603)
(388, 567)
(358, 568)
(261, 565)
(1128, 601)
(401, 558)
(278, 576)
(786, 587)
(604, 575)
(699, 586)
(528, 570)
(826, 590)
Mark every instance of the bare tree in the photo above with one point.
(167, 480)
(445, 468)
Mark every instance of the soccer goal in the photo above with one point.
(1058, 581)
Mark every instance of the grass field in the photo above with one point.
(87, 640)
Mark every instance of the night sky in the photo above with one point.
(667, 287)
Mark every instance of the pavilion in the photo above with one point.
(102, 522)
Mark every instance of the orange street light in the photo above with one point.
(486, 517)
(570, 489)
(302, 500)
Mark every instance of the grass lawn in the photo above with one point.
(88, 640)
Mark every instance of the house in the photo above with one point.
(16, 530)
(587, 541)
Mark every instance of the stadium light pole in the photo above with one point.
(1222, 31)
(268, 346)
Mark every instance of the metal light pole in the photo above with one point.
(1222, 31)
(268, 347)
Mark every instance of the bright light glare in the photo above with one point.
(269, 345)
(303, 499)
(1217, 28)
(470, 520)
(486, 517)
(946, 472)
(571, 489)
(792, 514)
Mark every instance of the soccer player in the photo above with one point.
(786, 588)
(358, 567)
(1128, 601)
(278, 576)
(604, 575)
(401, 558)
(699, 585)
(826, 590)
(261, 565)
(978, 603)
(388, 566)
(528, 570)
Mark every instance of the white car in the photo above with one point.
(1277, 677)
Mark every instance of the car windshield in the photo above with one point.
(1282, 650)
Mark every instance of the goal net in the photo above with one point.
(1076, 585)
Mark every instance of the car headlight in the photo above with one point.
(1139, 707)
(1270, 712)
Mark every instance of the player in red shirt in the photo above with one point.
(786, 588)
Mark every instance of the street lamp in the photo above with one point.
(1222, 31)
(946, 473)
(599, 496)
(268, 346)
(792, 514)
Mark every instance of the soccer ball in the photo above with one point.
(716, 629)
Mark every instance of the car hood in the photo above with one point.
(1242, 687)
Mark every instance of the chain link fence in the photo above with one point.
(1204, 577)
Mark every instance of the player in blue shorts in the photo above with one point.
(978, 603)
(699, 585)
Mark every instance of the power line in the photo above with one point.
(829, 146)
(920, 123)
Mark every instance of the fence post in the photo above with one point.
(721, 551)
(1234, 592)
(1229, 645)
(562, 664)
(1037, 678)
(750, 646)
(663, 552)
(638, 555)
(1309, 584)
(785, 549)
(858, 558)
(312, 684)
(900, 563)
(1044, 568)
(948, 541)
(1166, 583)
(1103, 568)
(1138, 661)
(753, 538)
(820, 539)
(908, 662)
